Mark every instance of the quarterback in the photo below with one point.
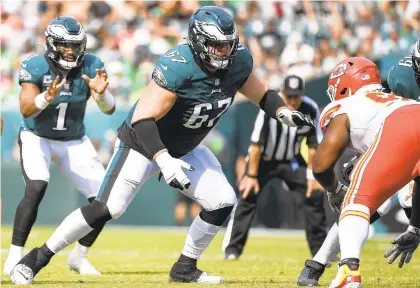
(192, 86)
(55, 89)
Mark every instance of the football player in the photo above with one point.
(55, 89)
(192, 86)
(404, 80)
(364, 118)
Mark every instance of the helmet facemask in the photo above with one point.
(67, 54)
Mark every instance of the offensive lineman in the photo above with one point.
(193, 85)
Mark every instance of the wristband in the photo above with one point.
(252, 176)
(40, 101)
(105, 101)
(309, 174)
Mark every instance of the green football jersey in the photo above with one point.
(402, 80)
(202, 98)
(63, 118)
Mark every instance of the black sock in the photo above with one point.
(186, 259)
(47, 252)
(91, 237)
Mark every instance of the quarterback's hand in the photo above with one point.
(294, 118)
(54, 88)
(335, 198)
(247, 185)
(171, 169)
(99, 83)
(405, 245)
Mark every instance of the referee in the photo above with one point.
(275, 152)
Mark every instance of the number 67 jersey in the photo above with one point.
(202, 98)
(63, 118)
(367, 110)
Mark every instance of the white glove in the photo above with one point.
(336, 197)
(171, 169)
(294, 118)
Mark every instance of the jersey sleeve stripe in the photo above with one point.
(327, 115)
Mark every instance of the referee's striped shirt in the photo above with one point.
(280, 142)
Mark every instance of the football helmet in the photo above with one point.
(66, 42)
(209, 27)
(416, 61)
(350, 75)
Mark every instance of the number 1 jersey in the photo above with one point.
(367, 111)
(202, 98)
(63, 118)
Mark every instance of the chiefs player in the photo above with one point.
(381, 126)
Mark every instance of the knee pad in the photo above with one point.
(35, 191)
(384, 208)
(96, 214)
(216, 217)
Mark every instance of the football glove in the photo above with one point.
(294, 118)
(405, 245)
(336, 197)
(348, 167)
(172, 170)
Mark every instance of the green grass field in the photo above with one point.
(143, 258)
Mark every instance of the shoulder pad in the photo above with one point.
(91, 63)
(32, 69)
(244, 56)
(174, 67)
(330, 111)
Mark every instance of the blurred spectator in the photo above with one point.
(300, 37)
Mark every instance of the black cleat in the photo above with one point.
(311, 273)
(26, 269)
(188, 273)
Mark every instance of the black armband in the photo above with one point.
(148, 137)
(327, 179)
(270, 102)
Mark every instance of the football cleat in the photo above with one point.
(311, 273)
(348, 274)
(10, 264)
(188, 273)
(21, 275)
(25, 271)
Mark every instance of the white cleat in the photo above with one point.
(82, 266)
(21, 275)
(205, 278)
(78, 261)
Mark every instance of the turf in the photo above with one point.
(142, 258)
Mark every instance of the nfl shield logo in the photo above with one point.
(294, 83)
(67, 86)
(216, 81)
(46, 81)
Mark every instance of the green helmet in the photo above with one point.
(209, 26)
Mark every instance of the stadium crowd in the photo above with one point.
(305, 38)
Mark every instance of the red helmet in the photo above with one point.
(350, 75)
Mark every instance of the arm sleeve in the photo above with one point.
(261, 126)
(393, 82)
